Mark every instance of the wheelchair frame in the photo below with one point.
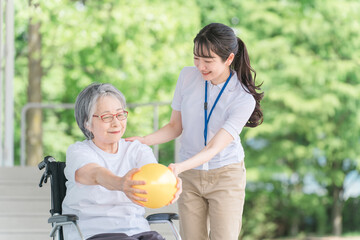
(55, 171)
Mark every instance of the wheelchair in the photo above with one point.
(55, 171)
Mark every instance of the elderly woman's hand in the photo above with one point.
(126, 186)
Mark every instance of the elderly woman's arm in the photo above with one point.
(93, 174)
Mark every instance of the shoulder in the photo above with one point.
(242, 99)
(140, 154)
(239, 94)
(79, 147)
(189, 77)
(78, 155)
(242, 93)
(81, 151)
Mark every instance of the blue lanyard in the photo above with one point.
(207, 119)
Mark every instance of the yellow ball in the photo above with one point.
(160, 184)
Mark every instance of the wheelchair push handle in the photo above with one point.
(44, 162)
(42, 165)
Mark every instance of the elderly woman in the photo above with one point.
(99, 171)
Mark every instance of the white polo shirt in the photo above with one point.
(100, 210)
(231, 113)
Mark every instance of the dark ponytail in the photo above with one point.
(221, 39)
(241, 65)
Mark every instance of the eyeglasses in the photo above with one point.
(110, 117)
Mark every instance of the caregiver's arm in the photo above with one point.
(220, 141)
(165, 134)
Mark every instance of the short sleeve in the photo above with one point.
(77, 156)
(176, 103)
(144, 155)
(239, 115)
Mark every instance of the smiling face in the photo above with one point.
(107, 135)
(213, 68)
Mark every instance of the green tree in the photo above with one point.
(307, 55)
(305, 52)
(139, 46)
(34, 116)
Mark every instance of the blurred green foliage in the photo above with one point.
(306, 54)
(138, 46)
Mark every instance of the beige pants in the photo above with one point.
(211, 204)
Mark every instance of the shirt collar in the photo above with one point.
(231, 85)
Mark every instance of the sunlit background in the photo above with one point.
(303, 162)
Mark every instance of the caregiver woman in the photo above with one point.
(212, 103)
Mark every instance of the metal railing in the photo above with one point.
(29, 106)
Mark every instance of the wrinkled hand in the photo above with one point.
(126, 186)
(131, 139)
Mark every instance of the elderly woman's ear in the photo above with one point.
(88, 129)
(87, 126)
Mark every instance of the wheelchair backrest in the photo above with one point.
(58, 188)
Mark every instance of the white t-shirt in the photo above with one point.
(231, 113)
(101, 210)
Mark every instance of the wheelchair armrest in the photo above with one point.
(165, 218)
(63, 218)
(162, 216)
(58, 221)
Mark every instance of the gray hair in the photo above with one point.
(86, 102)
